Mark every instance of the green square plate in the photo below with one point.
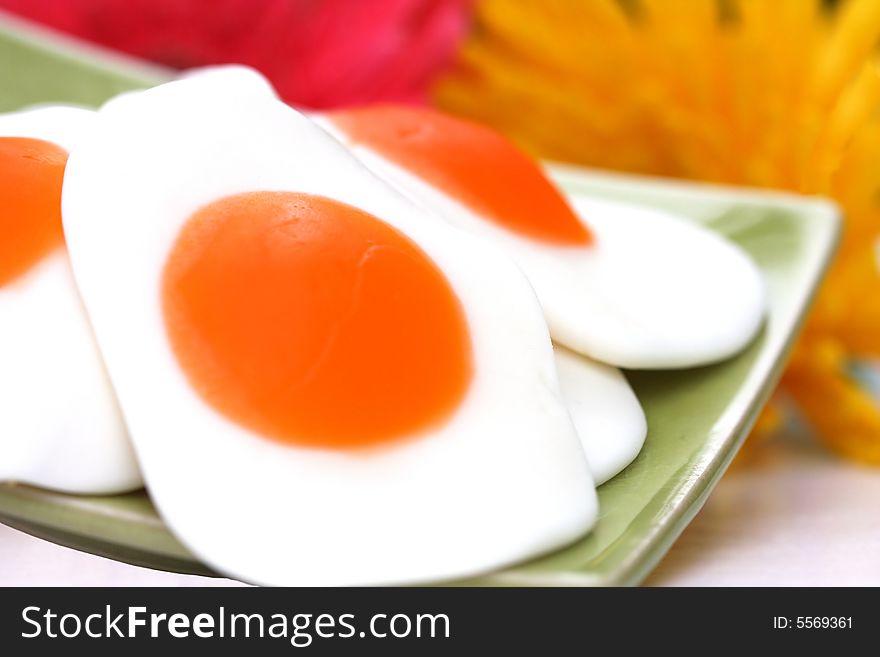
(697, 418)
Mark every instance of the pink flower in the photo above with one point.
(318, 53)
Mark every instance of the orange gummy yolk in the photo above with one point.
(314, 323)
(471, 163)
(31, 171)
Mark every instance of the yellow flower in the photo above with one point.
(771, 93)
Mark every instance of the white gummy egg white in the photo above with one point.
(60, 427)
(605, 411)
(232, 83)
(502, 479)
(652, 291)
(232, 79)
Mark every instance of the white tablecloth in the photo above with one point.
(794, 516)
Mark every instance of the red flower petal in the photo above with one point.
(317, 53)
